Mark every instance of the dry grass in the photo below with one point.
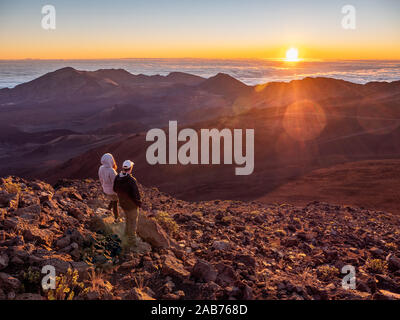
(10, 186)
(327, 273)
(68, 286)
(139, 281)
(97, 281)
(169, 224)
(198, 214)
(376, 265)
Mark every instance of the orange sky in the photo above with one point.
(205, 29)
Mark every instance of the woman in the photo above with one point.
(107, 174)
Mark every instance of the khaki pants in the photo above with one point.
(132, 217)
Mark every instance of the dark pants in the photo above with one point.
(114, 206)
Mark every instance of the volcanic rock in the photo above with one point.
(9, 282)
(150, 231)
(137, 294)
(3, 261)
(204, 271)
(173, 267)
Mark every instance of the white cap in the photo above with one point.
(127, 164)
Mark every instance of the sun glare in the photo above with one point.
(292, 55)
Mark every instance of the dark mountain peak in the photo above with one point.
(55, 85)
(60, 74)
(312, 88)
(223, 76)
(312, 85)
(225, 84)
(66, 69)
(186, 78)
(224, 79)
(63, 72)
(320, 80)
(327, 85)
(117, 76)
(381, 84)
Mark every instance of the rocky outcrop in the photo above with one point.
(150, 231)
(205, 250)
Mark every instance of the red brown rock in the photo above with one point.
(173, 267)
(204, 271)
(150, 231)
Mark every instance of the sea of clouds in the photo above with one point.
(13, 72)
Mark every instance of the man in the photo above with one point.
(129, 199)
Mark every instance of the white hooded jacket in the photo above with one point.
(107, 173)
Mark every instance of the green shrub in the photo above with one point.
(31, 280)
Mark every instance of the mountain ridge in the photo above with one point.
(91, 82)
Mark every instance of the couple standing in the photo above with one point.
(121, 187)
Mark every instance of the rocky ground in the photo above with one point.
(203, 250)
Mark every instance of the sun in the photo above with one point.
(292, 55)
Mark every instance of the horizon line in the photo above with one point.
(194, 58)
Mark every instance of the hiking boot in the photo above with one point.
(129, 242)
(132, 240)
(139, 246)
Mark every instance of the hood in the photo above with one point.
(107, 160)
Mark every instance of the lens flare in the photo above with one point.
(304, 120)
